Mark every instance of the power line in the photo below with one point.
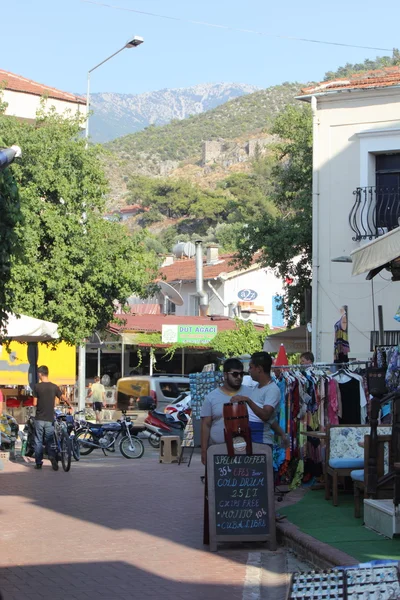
(229, 28)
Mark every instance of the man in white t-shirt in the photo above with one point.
(262, 401)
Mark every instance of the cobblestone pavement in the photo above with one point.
(115, 528)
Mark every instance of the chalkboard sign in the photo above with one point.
(240, 495)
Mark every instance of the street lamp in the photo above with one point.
(131, 43)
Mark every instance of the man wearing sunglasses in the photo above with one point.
(212, 420)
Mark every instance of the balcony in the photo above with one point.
(375, 211)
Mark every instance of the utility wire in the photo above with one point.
(228, 27)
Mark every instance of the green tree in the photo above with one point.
(243, 339)
(285, 240)
(72, 264)
(368, 65)
(9, 247)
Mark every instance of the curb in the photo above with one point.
(320, 554)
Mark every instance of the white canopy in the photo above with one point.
(377, 253)
(29, 329)
(294, 340)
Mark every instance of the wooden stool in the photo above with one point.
(170, 448)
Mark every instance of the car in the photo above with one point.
(182, 404)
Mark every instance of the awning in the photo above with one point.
(376, 254)
(29, 329)
(294, 340)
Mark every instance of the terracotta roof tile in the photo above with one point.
(153, 323)
(185, 269)
(17, 83)
(380, 78)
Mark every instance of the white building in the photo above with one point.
(24, 97)
(356, 198)
(251, 292)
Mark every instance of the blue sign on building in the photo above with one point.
(277, 315)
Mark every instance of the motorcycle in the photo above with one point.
(105, 436)
(182, 404)
(8, 434)
(158, 424)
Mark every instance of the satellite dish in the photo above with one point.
(170, 293)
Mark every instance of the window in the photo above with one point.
(171, 307)
(387, 190)
(194, 306)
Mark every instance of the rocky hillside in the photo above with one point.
(115, 115)
(177, 148)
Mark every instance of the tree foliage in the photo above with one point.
(10, 217)
(367, 65)
(285, 240)
(71, 265)
(243, 339)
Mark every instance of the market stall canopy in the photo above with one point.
(294, 340)
(29, 329)
(381, 253)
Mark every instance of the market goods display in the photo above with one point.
(322, 585)
(380, 582)
(202, 384)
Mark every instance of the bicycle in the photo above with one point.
(62, 445)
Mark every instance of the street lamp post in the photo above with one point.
(132, 43)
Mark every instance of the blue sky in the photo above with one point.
(56, 41)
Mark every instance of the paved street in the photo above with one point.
(116, 528)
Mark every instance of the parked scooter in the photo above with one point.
(158, 424)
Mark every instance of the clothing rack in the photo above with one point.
(323, 365)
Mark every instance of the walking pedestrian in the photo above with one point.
(98, 394)
(45, 397)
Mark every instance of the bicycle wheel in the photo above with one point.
(81, 437)
(76, 448)
(66, 451)
(131, 448)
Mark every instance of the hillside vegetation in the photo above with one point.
(180, 140)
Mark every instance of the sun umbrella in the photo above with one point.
(281, 358)
(29, 329)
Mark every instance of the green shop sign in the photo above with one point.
(188, 334)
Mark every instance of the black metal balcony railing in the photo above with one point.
(375, 211)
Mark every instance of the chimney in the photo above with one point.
(212, 253)
(168, 260)
(199, 279)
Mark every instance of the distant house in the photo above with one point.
(126, 212)
(250, 293)
(23, 97)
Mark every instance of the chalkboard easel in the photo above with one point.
(240, 492)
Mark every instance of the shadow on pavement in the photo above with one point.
(112, 580)
(164, 501)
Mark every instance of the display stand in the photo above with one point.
(378, 580)
(239, 502)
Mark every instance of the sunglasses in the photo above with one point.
(236, 373)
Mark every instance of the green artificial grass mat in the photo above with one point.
(336, 526)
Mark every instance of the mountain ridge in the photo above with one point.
(115, 115)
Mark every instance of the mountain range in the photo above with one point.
(116, 115)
